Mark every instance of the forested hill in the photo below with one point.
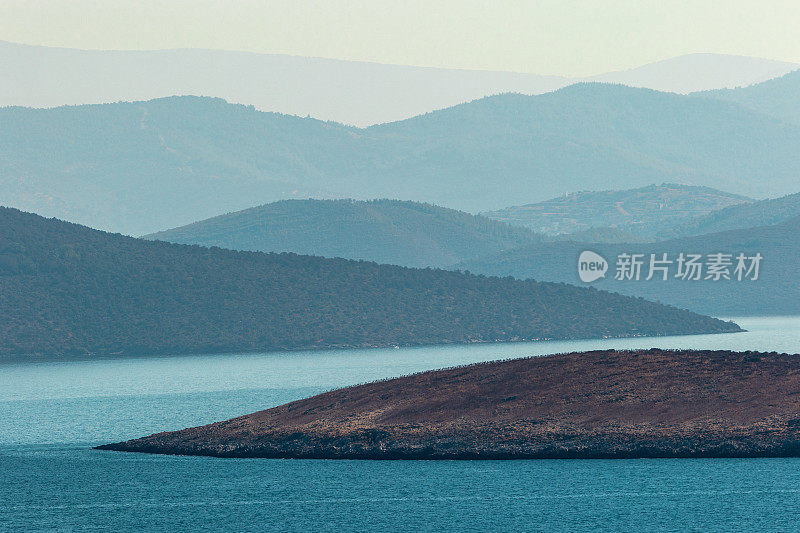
(68, 289)
(386, 231)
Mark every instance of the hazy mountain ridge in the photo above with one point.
(775, 292)
(363, 93)
(643, 212)
(596, 136)
(152, 164)
(699, 72)
(600, 235)
(169, 162)
(385, 231)
(761, 213)
(779, 97)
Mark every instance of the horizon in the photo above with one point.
(502, 36)
(578, 78)
(365, 93)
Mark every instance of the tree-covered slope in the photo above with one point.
(145, 166)
(384, 231)
(779, 97)
(776, 291)
(643, 211)
(68, 289)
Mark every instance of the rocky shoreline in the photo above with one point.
(602, 404)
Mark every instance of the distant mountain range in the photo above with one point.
(169, 162)
(776, 291)
(699, 72)
(642, 212)
(385, 231)
(350, 92)
(71, 290)
(777, 98)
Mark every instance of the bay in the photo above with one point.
(54, 411)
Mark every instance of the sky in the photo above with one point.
(559, 37)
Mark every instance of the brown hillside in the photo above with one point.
(652, 403)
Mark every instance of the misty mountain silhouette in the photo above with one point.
(145, 166)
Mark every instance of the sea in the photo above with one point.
(52, 412)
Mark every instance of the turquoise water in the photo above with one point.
(52, 412)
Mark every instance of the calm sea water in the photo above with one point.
(51, 413)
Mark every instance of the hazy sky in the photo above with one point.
(566, 37)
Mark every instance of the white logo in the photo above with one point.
(591, 266)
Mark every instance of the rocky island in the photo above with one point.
(600, 404)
